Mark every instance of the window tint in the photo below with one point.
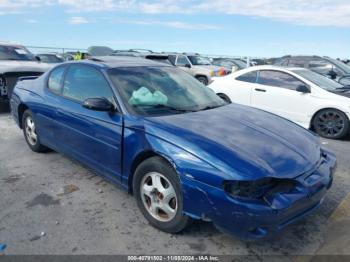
(182, 60)
(55, 79)
(279, 79)
(82, 82)
(248, 77)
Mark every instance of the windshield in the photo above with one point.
(240, 64)
(198, 60)
(50, 59)
(319, 80)
(345, 68)
(160, 59)
(15, 53)
(161, 91)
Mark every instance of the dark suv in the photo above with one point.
(332, 68)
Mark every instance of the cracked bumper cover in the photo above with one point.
(257, 219)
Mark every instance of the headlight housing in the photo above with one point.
(258, 189)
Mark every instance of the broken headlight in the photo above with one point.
(258, 189)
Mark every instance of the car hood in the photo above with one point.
(23, 66)
(240, 140)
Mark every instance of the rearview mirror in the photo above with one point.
(98, 104)
(303, 89)
(332, 74)
(188, 65)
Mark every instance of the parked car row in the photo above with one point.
(181, 150)
(332, 68)
(311, 100)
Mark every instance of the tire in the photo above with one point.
(225, 98)
(32, 139)
(156, 180)
(202, 79)
(331, 123)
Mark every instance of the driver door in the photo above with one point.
(93, 137)
(276, 92)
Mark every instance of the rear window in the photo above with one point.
(55, 79)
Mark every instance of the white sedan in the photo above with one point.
(300, 95)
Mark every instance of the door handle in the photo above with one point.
(260, 90)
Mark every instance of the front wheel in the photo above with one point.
(331, 123)
(30, 134)
(203, 80)
(158, 194)
(225, 98)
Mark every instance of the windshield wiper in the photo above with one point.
(161, 106)
(209, 107)
(343, 88)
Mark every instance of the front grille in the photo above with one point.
(3, 90)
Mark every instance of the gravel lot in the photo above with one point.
(80, 213)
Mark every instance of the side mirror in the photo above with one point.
(188, 65)
(303, 89)
(38, 58)
(98, 104)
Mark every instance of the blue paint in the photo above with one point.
(2, 247)
(207, 148)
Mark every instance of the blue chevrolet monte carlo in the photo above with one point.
(178, 148)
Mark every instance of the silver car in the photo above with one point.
(198, 66)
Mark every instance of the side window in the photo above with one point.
(172, 59)
(182, 60)
(82, 82)
(279, 79)
(248, 77)
(55, 79)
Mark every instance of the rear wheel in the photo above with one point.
(202, 79)
(30, 134)
(331, 123)
(159, 196)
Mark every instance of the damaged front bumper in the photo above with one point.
(249, 218)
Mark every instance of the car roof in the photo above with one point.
(267, 67)
(11, 44)
(122, 61)
(303, 56)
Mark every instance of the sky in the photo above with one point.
(256, 28)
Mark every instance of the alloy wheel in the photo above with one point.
(30, 131)
(330, 123)
(158, 196)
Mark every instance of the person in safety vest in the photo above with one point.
(78, 56)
